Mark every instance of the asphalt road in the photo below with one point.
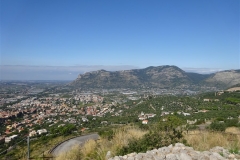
(67, 145)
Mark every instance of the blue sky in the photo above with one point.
(59, 39)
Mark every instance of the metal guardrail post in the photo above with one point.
(28, 144)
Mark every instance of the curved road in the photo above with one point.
(67, 145)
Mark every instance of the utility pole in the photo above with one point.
(28, 153)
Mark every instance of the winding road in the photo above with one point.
(67, 145)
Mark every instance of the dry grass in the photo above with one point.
(206, 140)
(74, 154)
(37, 148)
(233, 130)
(124, 135)
(88, 147)
(198, 140)
(98, 150)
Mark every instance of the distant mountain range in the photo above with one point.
(155, 77)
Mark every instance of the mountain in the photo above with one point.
(154, 77)
(161, 77)
(224, 79)
(236, 85)
(197, 78)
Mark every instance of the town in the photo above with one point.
(25, 105)
(41, 108)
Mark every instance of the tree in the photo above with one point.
(171, 122)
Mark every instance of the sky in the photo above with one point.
(59, 39)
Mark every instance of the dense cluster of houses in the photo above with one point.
(49, 110)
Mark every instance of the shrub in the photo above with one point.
(200, 121)
(151, 140)
(232, 122)
(171, 122)
(192, 127)
(216, 126)
(108, 134)
(234, 148)
(220, 119)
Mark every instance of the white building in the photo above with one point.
(8, 139)
(40, 131)
(145, 122)
(191, 122)
(33, 133)
(84, 119)
(186, 114)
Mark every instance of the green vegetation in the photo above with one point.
(165, 128)
(235, 149)
(218, 126)
(233, 100)
(64, 130)
(154, 139)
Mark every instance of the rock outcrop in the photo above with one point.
(180, 152)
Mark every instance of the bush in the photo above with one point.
(108, 134)
(216, 126)
(151, 140)
(232, 123)
(171, 122)
(192, 127)
(200, 121)
(220, 119)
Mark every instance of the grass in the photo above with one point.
(124, 135)
(98, 149)
(73, 154)
(233, 130)
(230, 139)
(37, 148)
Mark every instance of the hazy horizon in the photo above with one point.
(58, 39)
(70, 73)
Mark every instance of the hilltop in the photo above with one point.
(155, 77)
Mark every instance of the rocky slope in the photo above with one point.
(162, 76)
(155, 77)
(179, 152)
(224, 78)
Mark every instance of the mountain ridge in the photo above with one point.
(155, 77)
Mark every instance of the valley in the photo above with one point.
(51, 112)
